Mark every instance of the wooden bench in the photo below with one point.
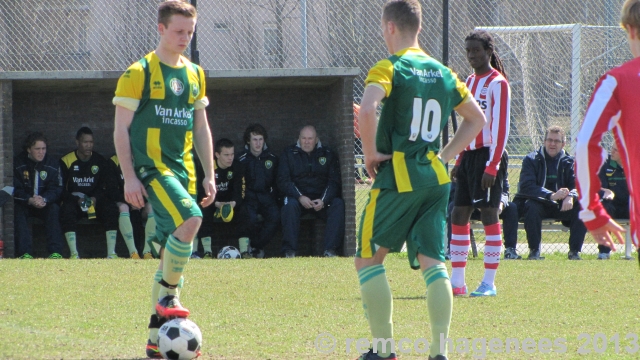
(553, 224)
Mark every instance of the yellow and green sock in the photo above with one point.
(71, 241)
(439, 305)
(377, 302)
(126, 229)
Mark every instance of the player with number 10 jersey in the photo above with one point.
(420, 95)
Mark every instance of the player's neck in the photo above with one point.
(483, 70)
(403, 43)
(168, 57)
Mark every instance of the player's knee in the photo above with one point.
(123, 207)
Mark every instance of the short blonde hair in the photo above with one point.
(175, 7)
(630, 14)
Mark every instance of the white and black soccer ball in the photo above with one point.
(179, 339)
(229, 252)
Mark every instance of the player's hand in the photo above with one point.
(602, 235)
(209, 186)
(317, 204)
(608, 194)
(561, 194)
(134, 192)
(372, 163)
(487, 181)
(454, 173)
(305, 202)
(567, 204)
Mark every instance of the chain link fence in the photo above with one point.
(554, 51)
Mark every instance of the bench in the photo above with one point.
(553, 224)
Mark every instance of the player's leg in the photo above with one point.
(149, 232)
(24, 248)
(270, 212)
(126, 229)
(290, 217)
(69, 215)
(384, 226)
(205, 232)
(107, 214)
(426, 240)
(334, 233)
(492, 250)
(178, 219)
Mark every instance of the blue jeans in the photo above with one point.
(49, 214)
(332, 213)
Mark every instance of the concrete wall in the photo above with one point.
(59, 107)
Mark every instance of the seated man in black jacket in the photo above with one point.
(614, 193)
(86, 179)
(309, 177)
(260, 168)
(547, 189)
(37, 190)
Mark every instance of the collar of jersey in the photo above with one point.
(410, 50)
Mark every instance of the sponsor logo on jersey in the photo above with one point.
(157, 85)
(76, 168)
(176, 86)
(429, 76)
(127, 74)
(142, 169)
(195, 90)
(94, 169)
(173, 116)
(83, 181)
(322, 160)
(268, 164)
(186, 203)
(43, 174)
(222, 186)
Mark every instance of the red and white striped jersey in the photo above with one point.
(492, 92)
(613, 106)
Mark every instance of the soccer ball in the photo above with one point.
(229, 252)
(179, 339)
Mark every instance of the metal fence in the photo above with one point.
(554, 51)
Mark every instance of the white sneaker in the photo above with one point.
(604, 256)
(290, 254)
(329, 253)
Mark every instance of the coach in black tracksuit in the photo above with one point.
(32, 166)
(260, 171)
(309, 177)
(615, 199)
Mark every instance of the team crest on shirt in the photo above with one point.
(268, 164)
(25, 175)
(176, 86)
(43, 174)
(484, 90)
(186, 203)
(94, 169)
(322, 160)
(195, 90)
(230, 175)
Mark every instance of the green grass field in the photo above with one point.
(275, 308)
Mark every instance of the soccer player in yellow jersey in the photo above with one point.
(160, 116)
(408, 200)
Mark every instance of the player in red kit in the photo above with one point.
(614, 106)
(478, 172)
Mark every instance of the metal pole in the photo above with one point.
(303, 30)
(445, 61)
(195, 54)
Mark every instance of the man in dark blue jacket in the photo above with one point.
(260, 172)
(309, 177)
(37, 190)
(614, 193)
(547, 189)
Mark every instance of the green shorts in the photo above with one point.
(417, 218)
(172, 204)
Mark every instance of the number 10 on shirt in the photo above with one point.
(425, 124)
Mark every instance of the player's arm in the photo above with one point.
(472, 122)
(134, 191)
(601, 116)
(204, 147)
(499, 131)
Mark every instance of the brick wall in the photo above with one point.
(283, 111)
(6, 163)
